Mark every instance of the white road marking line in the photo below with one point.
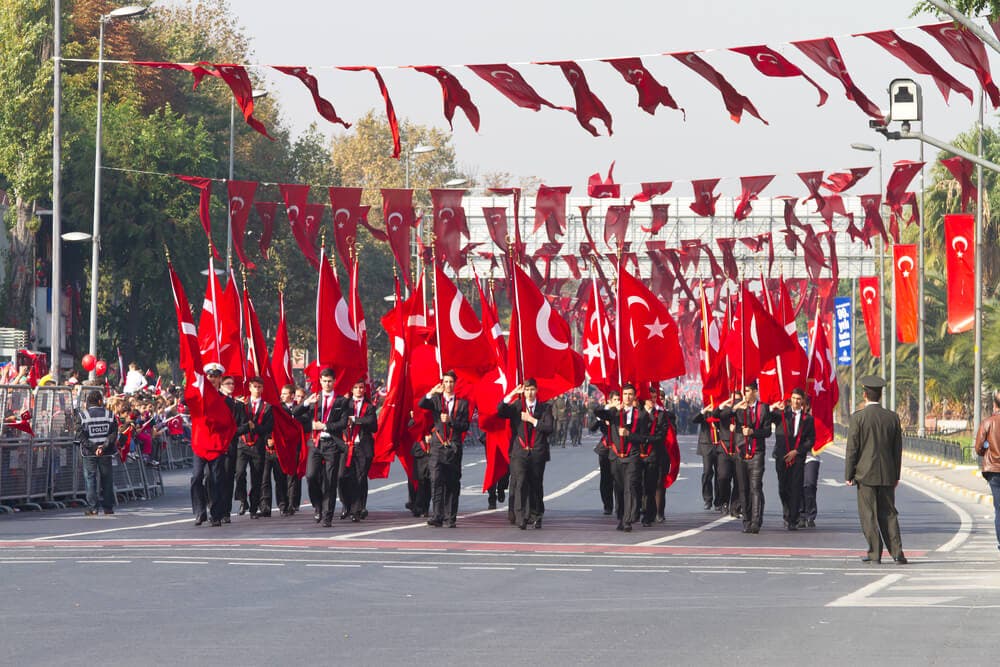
(114, 530)
(102, 562)
(686, 533)
(859, 596)
(563, 569)
(638, 571)
(331, 565)
(484, 567)
(386, 487)
(946, 587)
(410, 567)
(15, 562)
(717, 571)
(255, 563)
(180, 562)
(964, 530)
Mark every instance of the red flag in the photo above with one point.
(516, 192)
(961, 169)
(651, 93)
(771, 63)
(714, 387)
(649, 341)
(736, 103)
(599, 348)
(650, 190)
(751, 187)
(337, 343)
(238, 80)
(323, 105)
(824, 52)
(660, 217)
(489, 391)
(588, 106)
(871, 306)
(824, 390)
(357, 318)
(905, 279)
(704, 197)
(397, 211)
(462, 342)
(496, 224)
(512, 85)
(281, 360)
(960, 252)
(787, 371)
(390, 112)
(813, 179)
(240, 198)
(230, 316)
(599, 188)
(968, 50)
(199, 70)
(209, 331)
(345, 204)
(455, 95)
(873, 225)
(755, 338)
(550, 210)
(20, 422)
(840, 182)
(296, 198)
(313, 222)
(204, 185)
(392, 431)
(895, 191)
(449, 225)
(616, 225)
(727, 246)
(919, 61)
(265, 211)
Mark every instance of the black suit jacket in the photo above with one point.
(335, 421)
(758, 418)
(785, 442)
(625, 448)
(259, 426)
(446, 439)
(527, 440)
(363, 428)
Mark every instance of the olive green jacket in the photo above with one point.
(874, 447)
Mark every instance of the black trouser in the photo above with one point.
(445, 488)
(606, 482)
(661, 492)
(810, 482)
(725, 476)
(527, 473)
(421, 503)
(710, 477)
(741, 487)
(879, 519)
(253, 457)
(753, 497)
(354, 482)
(652, 481)
(228, 478)
(272, 470)
(790, 488)
(322, 469)
(628, 488)
(500, 487)
(207, 487)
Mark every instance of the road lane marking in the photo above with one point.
(113, 530)
(485, 567)
(563, 569)
(102, 562)
(331, 565)
(410, 567)
(255, 563)
(964, 530)
(180, 562)
(686, 533)
(386, 487)
(858, 597)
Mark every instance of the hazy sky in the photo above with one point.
(551, 144)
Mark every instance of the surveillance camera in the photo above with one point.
(876, 123)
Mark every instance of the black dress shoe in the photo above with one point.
(227, 519)
(869, 560)
(647, 524)
(793, 526)
(492, 505)
(810, 523)
(621, 526)
(243, 509)
(754, 529)
(452, 523)
(435, 523)
(628, 528)
(254, 515)
(660, 518)
(746, 529)
(802, 523)
(317, 517)
(355, 518)
(408, 505)
(901, 560)
(216, 523)
(200, 520)
(607, 512)
(363, 514)
(343, 515)
(523, 525)
(501, 495)
(327, 523)
(538, 524)
(708, 505)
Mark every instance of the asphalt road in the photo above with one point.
(145, 586)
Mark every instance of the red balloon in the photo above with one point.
(88, 362)
(101, 367)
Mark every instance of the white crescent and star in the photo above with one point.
(342, 317)
(543, 330)
(503, 75)
(391, 217)
(455, 315)
(869, 293)
(905, 260)
(964, 243)
(767, 58)
(237, 204)
(293, 213)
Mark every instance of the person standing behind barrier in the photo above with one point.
(873, 463)
(98, 435)
(987, 445)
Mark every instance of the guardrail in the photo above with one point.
(949, 450)
(46, 470)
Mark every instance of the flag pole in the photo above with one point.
(600, 321)
(977, 373)
(519, 366)
(437, 306)
(618, 313)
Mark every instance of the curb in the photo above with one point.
(975, 496)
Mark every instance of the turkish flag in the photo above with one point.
(550, 210)
(512, 85)
(390, 112)
(787, 371)
(357, 317)
(209, 332)
(313, 222)
(660, 217)
(212, 426)
(824, 52)
(771, 63)
(543, 339)
(240, 198)
(905, 277)
(462, 342)
(871, 307)
(489, 391)
(588, 106)
(714, 385)
(204, 186)
(823, 390)
(231, 327)
(337, 343)
(599, 348)
(345, 204)
(736, 103)
(968, 50)
(873, 225)
(198, 70)
(751, 187)
(616, 225)
(728, 246)
(649, 345)
(755, 338)
(496, 224)
(323, 105)
(813, 179)
(652, 93)
(903, 172)
(919, 61)
(960, 252)
(599, 188)
(705, 197)
(238, 80)
(652, 189)
(266, 211)
(961, 169)
(455, 95)
(812, 252)
(397, 211)
(449, 225)
(281, 360)
(841, 182)
(296, 198)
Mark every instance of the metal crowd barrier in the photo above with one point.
(943, 449)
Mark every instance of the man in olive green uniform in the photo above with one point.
(873, 462)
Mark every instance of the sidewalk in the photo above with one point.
(963, 480)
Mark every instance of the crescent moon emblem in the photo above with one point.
(503, 74)
(455, 315)
(542, 327)
(957, 36)
(905, 259)
(446, 214)
(635, 76)
(573, 75)
(869, 293)
(753, 331)
(767, 58)
(691, 58)
(713, 335)
(343, 320)
(964, 243)
(293, 213)
(395, 215)
(339, 211)
(834, 63)
(233, 204)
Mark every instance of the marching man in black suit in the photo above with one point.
(329, 417)
(531, 424)
(794, 437)
(628, 429)
(359, 450)
(451, 421)
(753, 423)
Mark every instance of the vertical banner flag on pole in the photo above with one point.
(904, 262)
(870, 305)
(960, 252)
(843, 310)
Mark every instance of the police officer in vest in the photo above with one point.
(98, 438)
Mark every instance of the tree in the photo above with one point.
(968, 7)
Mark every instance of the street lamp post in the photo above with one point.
(120, 13)
(55, 340)
(257, 94)
(419, 149)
